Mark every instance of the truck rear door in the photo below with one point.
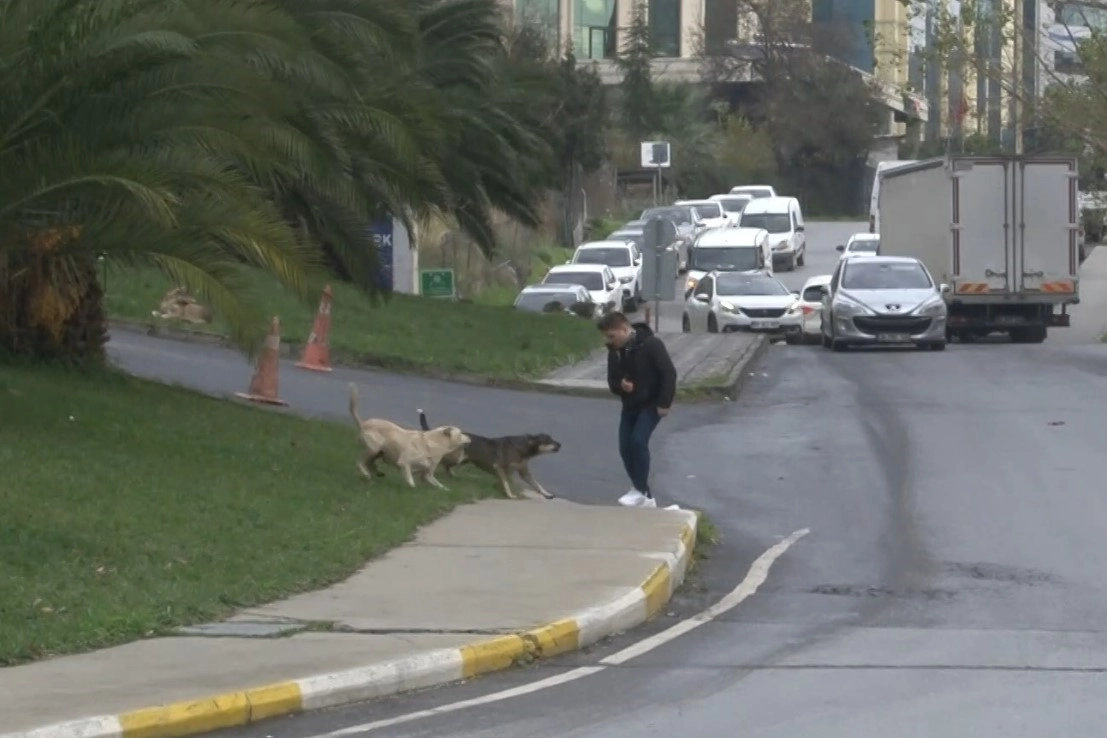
(983, 227)
(1047, 256)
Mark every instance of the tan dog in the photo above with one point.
(410, 451)
(179, 305)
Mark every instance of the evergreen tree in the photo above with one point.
(638, 104)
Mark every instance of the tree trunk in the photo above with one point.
(52, 311)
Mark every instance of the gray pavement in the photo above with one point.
(952, 583)
(487, 569)
(700, 360)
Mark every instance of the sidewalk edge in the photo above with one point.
(427, 669)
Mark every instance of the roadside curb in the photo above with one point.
(428, 669)
(347, 360)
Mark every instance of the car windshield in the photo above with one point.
(733, 204)
(615, 256)
(537, 301)
(748, 284)
(727, 259)
(900, 275)
(705, 210)
(587, 280)
(771, 222)
(864, 246)
(679, 216)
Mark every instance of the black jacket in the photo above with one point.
(645, 362)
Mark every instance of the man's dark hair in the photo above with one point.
(612, 320)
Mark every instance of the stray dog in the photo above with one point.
(177, 304)
(410, 451)
(501, 456)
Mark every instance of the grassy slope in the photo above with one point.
(129, 508)
(406, 332)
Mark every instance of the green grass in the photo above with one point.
(406, 332)
(544, 258)
(130, 508)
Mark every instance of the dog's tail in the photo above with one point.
(353, 405)
(423, 420)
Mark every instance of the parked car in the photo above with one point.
(684, 218)
(598, 279)
(625, 261)
(629, 234)
(544, 298)
(783, 219)
(733, 205)
(754, 191)
(811, 302)
(726, 302)
(883, 300)
(709, 212)
(860, 243)
(728, 250)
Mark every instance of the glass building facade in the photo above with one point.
(594, 27)
(848, 27)
(665, 33)
(541, 15)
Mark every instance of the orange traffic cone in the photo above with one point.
(317, 353)
(263, 385)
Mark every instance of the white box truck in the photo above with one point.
(1001, 232)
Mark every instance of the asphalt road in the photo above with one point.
(952, 583)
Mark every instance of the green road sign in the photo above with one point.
(437, 283)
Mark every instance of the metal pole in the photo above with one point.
(1017, 87)
(657, 286)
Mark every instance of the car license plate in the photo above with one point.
(764, 324)
(893, 338)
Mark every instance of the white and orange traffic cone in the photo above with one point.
(317, 352)
(264, 384)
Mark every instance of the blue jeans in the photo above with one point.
(635, 428)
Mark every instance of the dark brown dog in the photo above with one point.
(501, 456)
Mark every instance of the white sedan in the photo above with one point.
(811, 305)
(727, 302)
(598, 279)
(867, 244)
(709, 212)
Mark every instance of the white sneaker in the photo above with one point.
(633, 498)
(648, 502)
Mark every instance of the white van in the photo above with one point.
(729, 250)
(754, 191)
(874, 199)
(783, 219)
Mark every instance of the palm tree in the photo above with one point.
(206, 138)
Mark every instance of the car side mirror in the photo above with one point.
(840, 248)
(824, 290)
(800, 229)
(702, 298)
(796, 295)
(944, 289)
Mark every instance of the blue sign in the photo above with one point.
(381, 234)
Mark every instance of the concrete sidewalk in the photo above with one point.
(488, 586)
(708, 362)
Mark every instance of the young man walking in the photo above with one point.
(641, 373)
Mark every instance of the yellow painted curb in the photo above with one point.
(212, 713)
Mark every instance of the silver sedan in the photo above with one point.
(883, 300)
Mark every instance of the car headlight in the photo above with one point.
(691, 283)
(780, 246)
(796, 309)
(624, 280)
(728, 307)
(849, 307)
(932, 307)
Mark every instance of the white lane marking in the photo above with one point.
(755, 577)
